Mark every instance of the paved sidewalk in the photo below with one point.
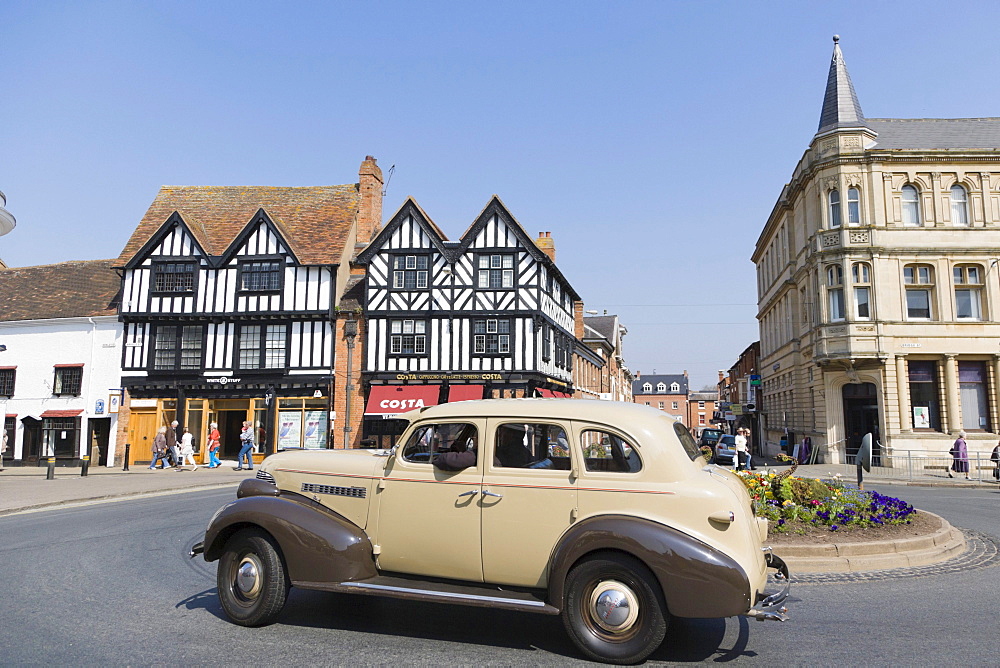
(25, 487)
(849, 474)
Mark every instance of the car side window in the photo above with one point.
(604, 451)
(429, 441)
(531, 446)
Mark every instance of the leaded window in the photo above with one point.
(409, 272)
(173, 277)
(263, 346)
(7, 377)
(67, 380)
(408, 337)
(260, 275)
(491, 336)
(496, 271)
(178, 347)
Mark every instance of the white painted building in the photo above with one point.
(60, 362)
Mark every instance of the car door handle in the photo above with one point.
(471, 492)
(487, 492)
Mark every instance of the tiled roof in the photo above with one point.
(936, 133)
(67, 290)
(315, 220)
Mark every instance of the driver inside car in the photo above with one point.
(461, 455)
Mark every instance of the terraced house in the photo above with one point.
(879, 285)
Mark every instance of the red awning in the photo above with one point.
(465, 392)
(12, 415)
(554, 394)
(54, 414)
(394, 399)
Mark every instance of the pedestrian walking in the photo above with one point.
(187, 450)
(172, 451)
(742, 459)
(995, 458)
(3, 452)
(246, 439)
(214, 438)
(959, 457)
(159, 448)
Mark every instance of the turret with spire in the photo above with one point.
(841, 109)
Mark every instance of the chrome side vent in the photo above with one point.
(265, 476)
(355, 492)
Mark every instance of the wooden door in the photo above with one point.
(141, 432)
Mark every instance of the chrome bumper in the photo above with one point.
(196, 549)
(771, 607)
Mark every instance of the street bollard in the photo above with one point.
(86, 465)
(51, 474)
(127, 446)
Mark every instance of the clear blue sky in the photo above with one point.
(650, 138)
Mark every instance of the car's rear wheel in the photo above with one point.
(251, 579)
(614, 610)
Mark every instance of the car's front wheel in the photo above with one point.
(251, 580)
(614, 610)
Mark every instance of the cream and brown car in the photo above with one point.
(605, 513)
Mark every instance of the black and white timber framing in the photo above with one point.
(178, 299)
(491, 305)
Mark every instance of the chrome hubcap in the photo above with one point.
(614, 607)
(248, 577)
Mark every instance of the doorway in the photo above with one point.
(141, 432)
(31, 450)
(230, 427)
(861, 417)
(98, 431)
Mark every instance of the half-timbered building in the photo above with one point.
(230, 298)
(489, 315)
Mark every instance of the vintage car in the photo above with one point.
(604, 513)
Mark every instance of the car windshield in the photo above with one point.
(728, 439)
(711, 432)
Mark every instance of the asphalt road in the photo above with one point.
(110, 584)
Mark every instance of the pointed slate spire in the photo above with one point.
(841, 108)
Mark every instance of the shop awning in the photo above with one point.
(389, 400)
(554, 394)
(465, 392)
(55, 414)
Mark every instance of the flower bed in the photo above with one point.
(796, 504)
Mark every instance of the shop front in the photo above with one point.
(284, 415)
(390, 394)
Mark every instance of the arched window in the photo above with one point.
(835, 291)
(834, 208)
(911, 206)
(959, 206)
(853, 206)
(647, 387)
(861, 278)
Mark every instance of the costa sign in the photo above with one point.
(401, 404)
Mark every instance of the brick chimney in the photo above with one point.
(577, 319)
(546, 245)
(370, 206)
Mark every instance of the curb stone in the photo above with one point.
(943, 544)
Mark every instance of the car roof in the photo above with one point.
(571, 409)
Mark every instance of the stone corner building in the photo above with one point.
(879, 300)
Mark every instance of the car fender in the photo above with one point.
(697, 580)
(318, 545)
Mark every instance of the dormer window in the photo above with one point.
(261, 276)
(661, 387)
(173, 277)
(647, 387)
(675, 387)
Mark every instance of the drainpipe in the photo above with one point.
(350, 332)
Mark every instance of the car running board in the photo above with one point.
(441, 592)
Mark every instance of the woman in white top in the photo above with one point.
(741, 460)
(187, 450)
